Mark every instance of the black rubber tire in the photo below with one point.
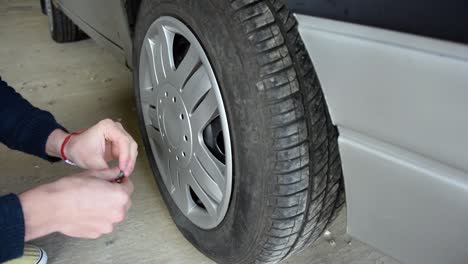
(63, 29)
(287, 178)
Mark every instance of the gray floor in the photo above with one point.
(80, 83)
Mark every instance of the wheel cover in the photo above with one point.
(181, 102)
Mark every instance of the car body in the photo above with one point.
(395, 83)
(395, 78)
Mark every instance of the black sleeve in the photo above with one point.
(11, 228)
(22, 126)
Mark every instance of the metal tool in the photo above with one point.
(120, 177)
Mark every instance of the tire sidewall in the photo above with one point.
(237, 237)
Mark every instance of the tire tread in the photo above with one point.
(309, 187)
(64, 30)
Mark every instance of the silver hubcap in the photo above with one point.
(186, 121)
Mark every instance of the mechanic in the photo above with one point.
(84, 205)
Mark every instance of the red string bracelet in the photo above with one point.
(64, 143)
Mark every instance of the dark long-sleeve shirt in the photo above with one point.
(25, 128)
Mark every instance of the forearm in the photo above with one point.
(39, 209)
(25, 217)
(54, 142)
(24, 127)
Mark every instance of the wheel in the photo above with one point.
(235, 127)
(61, 28)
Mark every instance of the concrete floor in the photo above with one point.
(80, 83)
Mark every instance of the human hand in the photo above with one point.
(92, 149)
(85, 205)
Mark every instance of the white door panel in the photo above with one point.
(400, 104)
(414, 99)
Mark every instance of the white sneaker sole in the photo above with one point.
(43, 258)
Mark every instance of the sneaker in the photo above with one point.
(32, 255)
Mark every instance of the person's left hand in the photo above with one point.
(105, 141)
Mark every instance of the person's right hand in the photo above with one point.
(85, 205)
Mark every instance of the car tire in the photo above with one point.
(61, 28)
(287, 177)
